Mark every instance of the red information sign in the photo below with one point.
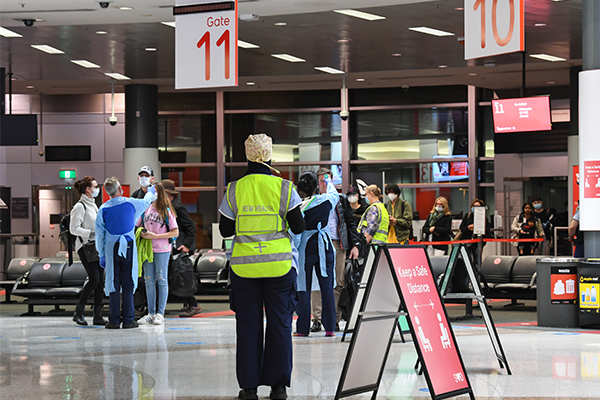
(521, 115)
(428, 317)
(591, 179)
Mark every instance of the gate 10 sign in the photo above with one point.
(206, 52)
(493, 27)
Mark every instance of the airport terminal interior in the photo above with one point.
(379, 92)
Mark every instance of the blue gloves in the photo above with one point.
(103, 262)
(152, 189)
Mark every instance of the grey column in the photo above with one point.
(472, 140)
(141, 132)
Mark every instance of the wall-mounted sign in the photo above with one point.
(67, 174)
(20, 207)
(563, 281)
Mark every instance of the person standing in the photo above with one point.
(346, 241)
(82, 226)
(146, 179)
(317, 253)
(438, 227)
(375, 222)
(115, 242)
(575, 235)
(160, 226)
(357, 204)
(186, 241)
(521, 221)
(258, 209)
(401, 215)
(547, 219)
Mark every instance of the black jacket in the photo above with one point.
(187, 227)
(349, 236)
(138, 194)
(443, 228)
(464, 227)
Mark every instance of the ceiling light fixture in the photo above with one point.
(431, 31)
(288, 57)
(8, 33)
(280, 23)
(343, 40)
(540, 24)
(146, 15)
(85, 63)
(150, 49)
(547, 57)
(360, 14)
(247, 45)
(101, 33)
(360, 79)
(550, 83)
(329, 70)
(117, 76)
(397, 55)
(459, 9)
(472, 74)
(125, 8)
(171, 24)
(29, 87)
(47, 49)
(442, 66)
(250, 83)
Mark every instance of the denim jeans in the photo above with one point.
(156, 278)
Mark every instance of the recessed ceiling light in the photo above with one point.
(442, 66)
(101, 33)
(247, 45)
(431, 31)
(550, 83)
(540, 24)
(287, 57)
(85, 63)
(250, 83)
(280, 23)
(8, 33)
(30, 87)
(146, 15)
(459, 9)
(360, 14)
(125, 8)
(150, 49)
(547, 57)
(360, 79)
(117, 76)
(329, 70)
(171, 24)
(397, 55)
(47, 49)
(472, 74)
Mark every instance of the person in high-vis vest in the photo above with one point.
(259, 209)
(375, 222)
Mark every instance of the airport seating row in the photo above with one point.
(509, 277)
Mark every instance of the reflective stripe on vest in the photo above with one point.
(384, 224)
(261, 246)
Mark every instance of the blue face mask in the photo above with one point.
(537, 206)
(367, 200)
(472, 209)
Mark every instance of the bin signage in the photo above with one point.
(590, 365)
(563, 286)
(589, 287)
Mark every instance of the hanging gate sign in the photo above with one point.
(401, 283)
(206, 52)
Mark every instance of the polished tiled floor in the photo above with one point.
(49, 357)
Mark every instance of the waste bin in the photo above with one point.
(557, 298)
(589, 289)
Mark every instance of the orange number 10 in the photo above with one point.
(500, 41)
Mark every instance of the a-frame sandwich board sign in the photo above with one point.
(459, 251)
(401, 283)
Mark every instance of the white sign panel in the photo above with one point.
(493, 27)
(479, 221)
(206, 53)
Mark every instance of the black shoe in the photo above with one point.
(316, 326)
(110, 325)
(79, 320)
(134, 324)
(278, 392)
(248, 394)
(100, 321)
(337, 327)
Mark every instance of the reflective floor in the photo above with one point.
(49, 357)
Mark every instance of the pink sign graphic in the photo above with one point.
(46, 267)
(591, 180)
(521, 115)
(429, 321)
(23, 262)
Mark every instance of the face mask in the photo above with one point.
(439, 209)
(96, 192)
(353, 199)
(392, 196)
(537, 206)
(367, 200)
(144, 181)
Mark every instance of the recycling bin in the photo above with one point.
(589, 290)
(557, 298)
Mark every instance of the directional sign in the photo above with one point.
(206, 52)
(493, 27)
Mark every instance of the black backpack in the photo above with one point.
(182, 277)
(65, 234)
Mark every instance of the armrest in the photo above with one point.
(533, 279)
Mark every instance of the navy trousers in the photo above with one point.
(267, 362)
(123, 285)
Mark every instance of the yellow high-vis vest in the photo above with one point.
(262, 246)
(384, 223)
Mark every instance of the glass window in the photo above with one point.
(192, 176)
(203, 208)
(487, 132)
(312, 136)
(409, 133)
(194, 135)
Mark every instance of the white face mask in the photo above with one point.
(353, 199)
(439, 209)
(392, 196)
(95, 192)
(144, 181)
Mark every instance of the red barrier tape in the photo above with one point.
(477, 240)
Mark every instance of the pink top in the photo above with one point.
(154, 223)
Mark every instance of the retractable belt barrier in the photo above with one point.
(477, 241)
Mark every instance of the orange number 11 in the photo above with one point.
(205, 41)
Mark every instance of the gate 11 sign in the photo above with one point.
(206, 44)
(493, 27)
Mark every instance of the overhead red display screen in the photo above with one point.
(521, 115)
(428, 317)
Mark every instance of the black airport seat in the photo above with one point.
(212, 267)
(45, 274)
(523, 274)
(16, 269)
(72, 280)
(496, 270)
(438, 265)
